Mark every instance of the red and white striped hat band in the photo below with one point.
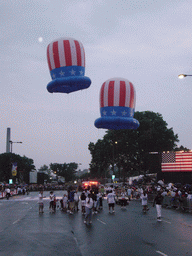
(65, 52)
(117, 92)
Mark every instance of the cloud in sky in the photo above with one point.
(146, 42)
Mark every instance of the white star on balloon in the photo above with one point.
(53, 76)
(104, 113)
(113, 112)
(81, 72)
(62, 73)
(124, 113)
(72, 72)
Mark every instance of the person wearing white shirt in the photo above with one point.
(8, 191)
(65, 201)
(144, 199)
(41, 205)
(88, 209)
(129, 193)
(111, 200)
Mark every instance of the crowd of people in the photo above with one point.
(90, 200)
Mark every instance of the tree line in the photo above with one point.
(128, 153)
(121, 152)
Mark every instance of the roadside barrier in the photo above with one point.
(13, 193)
(178, 203)
(2, 195)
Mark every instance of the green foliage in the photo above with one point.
(65, 170)
(85, 176)
(44, 168)
(181, 148)
(129, 149)
(24, 166)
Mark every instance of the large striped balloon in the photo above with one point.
(117, 92)
(66, 61)
(117, 105)
(65, 52)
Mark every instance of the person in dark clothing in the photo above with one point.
(158, 201)
(83, 198)
(71, 201)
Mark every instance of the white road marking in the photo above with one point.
(162, 253)
(16, 221)
(101, 222)
(167, 221)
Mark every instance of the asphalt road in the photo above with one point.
(23, 232)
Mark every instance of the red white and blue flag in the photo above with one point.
(176, 162)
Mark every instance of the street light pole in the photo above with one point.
(11, 142)
(181, 76)
(114, 142)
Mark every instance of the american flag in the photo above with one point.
(117, 92)
(176, 162)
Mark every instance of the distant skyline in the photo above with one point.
(146, 42)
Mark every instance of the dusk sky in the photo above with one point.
(147, 42)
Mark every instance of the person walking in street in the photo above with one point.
(41, 204)
(144, 201)
(111, 201)
(129, 193)
(88, 209)
(158, 201)
(123, 199)
(52, 202)
(71, 201)
(65, 201)
(76, 199)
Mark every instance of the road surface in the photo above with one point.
(23, 232)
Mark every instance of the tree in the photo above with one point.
(182, 148)
(101, 157)
(44, 168)
(65, 170)
(24, 166)
(129, 149)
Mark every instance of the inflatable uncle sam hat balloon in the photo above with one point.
(117, 105)
(66, 61)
